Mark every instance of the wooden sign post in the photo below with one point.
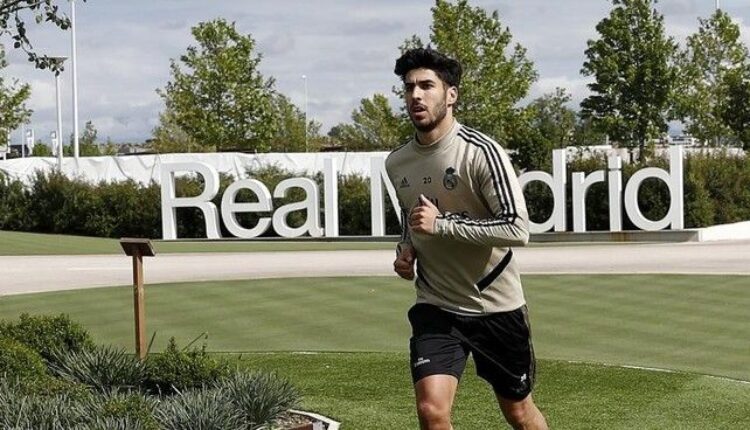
(138, 248)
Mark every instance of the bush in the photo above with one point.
(104, 368)
(19, 361)
(177, 370)
(21, 411)
(205, 409)
(260, 397)
(48, 334)
(118, 410)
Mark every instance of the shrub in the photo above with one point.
(47, 334)
(104, 368)
(205, 409)
(19, 410)
(178, 370)
(118, 410)
(19, 361)
(260, 397)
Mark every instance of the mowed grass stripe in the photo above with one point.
(661, 321)
(13, 243)
(373, 391)
(692, 323)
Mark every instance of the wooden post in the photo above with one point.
(138, 248)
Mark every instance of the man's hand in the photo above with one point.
(404, 264)
(422, 216)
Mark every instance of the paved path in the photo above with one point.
(51, 273)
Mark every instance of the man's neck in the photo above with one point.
(430, 137)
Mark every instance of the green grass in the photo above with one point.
(20, 243)
(373, 391)
(694, 324)
(691, 323)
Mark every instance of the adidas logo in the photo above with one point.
(404, 183)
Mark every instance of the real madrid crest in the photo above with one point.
(450, 180)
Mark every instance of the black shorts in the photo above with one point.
(500, 343)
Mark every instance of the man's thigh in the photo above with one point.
(503, 352)
(434, 348)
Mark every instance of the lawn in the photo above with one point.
(21, 243)
(584, 327)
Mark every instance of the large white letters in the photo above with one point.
(580, 185)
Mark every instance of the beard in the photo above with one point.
(441, 110)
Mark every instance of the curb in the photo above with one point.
(319, 421)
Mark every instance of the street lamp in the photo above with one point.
(304, 78)
(60, 60)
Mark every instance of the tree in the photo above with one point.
(41, 150)
(169, 137)
(496, 76)
(291, 134)
(711, 53)
(42, 10)
(13, 97)
(550, 125)
(633, 76)
(735, 113)
(87, 143)
(217, 96)
(374, 127)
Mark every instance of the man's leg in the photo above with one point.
(522, 414)
(435, 394)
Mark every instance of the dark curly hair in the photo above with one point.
(448, 69)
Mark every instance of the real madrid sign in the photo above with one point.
(277, 217)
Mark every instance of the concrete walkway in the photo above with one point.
(52, 273)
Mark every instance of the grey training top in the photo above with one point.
(467, 267)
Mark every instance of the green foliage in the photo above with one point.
(711, 54)
(374, 127)
(48, 334)
(291, 134)
(199, 409)
(260, 397)
(633, 77)
(19, 361)
(547, 124)
(217, 96)
(103, 368)
(13, 98)
(14, 202)
(41, 150)
(497, 75)
(87, 141)
(176, 370)
(43, 10)
(736, 111)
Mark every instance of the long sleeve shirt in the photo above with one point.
(467, 266)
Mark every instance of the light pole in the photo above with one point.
(59, 114)
(304, 78)
(75, 77)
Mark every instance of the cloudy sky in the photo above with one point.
(346, 48)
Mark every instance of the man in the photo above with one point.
(463, 211)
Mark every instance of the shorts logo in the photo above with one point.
(421, 361)
(450, 180)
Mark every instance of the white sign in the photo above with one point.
(277, 217)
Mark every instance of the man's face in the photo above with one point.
(427, 98)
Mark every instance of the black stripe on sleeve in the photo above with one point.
(497, 168)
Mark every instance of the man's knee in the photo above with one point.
(430, 411)
(522, 414)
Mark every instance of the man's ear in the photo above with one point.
(452, 96)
